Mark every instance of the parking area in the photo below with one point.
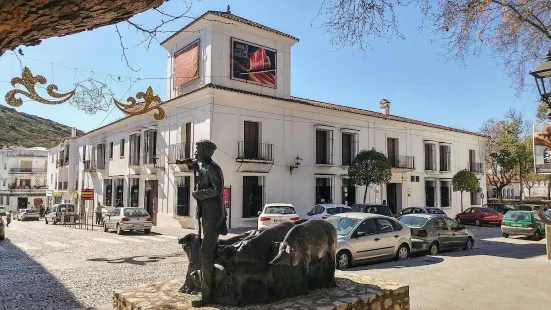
(498, 273)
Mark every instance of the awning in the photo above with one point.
(37, 199)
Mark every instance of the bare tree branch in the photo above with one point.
(124, 50)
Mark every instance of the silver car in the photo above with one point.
(436, 232)
(27, 215)
(368, 236)
(123, 219)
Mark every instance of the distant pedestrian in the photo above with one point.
(41, 211)
(8, 219)
(99, 213)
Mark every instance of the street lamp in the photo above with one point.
(542, 75)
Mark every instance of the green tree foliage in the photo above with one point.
(368, 168)
(508, 149)
(464, 181)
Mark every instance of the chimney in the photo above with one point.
(73, 132)
(385, 107)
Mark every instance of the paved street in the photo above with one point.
(54, 267)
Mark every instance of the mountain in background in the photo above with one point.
(22, 129)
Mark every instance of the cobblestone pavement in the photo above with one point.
(53, 267)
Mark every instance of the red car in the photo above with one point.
(479, 216)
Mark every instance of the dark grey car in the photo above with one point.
(435, 232)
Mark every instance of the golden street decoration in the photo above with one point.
(150, 102)
(28, 80)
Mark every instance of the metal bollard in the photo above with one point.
(548, 240)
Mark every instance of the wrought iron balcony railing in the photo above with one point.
(255, 151)
(27, 170)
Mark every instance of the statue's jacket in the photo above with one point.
(209, 193)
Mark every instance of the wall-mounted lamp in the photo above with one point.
(295, 165)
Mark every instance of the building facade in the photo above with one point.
(22, 177)
(230, 82)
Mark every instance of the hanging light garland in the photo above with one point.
(150, 102)
(91, 97)
(29, 81)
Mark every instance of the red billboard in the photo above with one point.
(186, 64)
(227, 197)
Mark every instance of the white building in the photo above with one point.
(22, 177)
(230, 82)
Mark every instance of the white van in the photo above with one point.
(65, 210)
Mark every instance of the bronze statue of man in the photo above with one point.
(211, 214)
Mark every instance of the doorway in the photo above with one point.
(151, 189)
(22, 202)
(430, 193)
(394, 197)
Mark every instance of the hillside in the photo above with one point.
(22, 129)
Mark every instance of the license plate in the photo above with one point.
(515, 225)
(278, 221)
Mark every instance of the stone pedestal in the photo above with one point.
(352, 292)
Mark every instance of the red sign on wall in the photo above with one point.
(227, 197)
(87, 194)
(186, 64)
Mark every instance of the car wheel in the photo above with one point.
(536, 236)
(477, 223)
(458, 220)
(119, 230)
(147, 231)
(505, 235)
(54, 222)
(105, 229)
(434, 248)
(343, 260)
(2, 237)
(403, 252)
(469, 244)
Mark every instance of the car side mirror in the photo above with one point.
(360, 234)
(259, 212)
(461, 227)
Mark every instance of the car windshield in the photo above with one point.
(488, 210)
(413, 221)
(337, 210)
(434, 211)
(279, 210)
(134, 212)
(525, 208)
(343, 225)
(30, 211)
(517, 216)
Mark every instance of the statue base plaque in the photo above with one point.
(352, 292)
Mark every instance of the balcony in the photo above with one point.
(13, 188)
(476, 167)
(178, 152)
(402, 161)
(254, 152)
(90, 165)
(27, 170)
(27, 153)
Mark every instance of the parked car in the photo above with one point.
(28, 215)
(436, 232)
(275, 213)
(123, 219)
(479, 216)
(322, 211)
(61, 212)
(372, 208)
(530, 207)
(418, 210)
(3, 211)
(368, 236)
(2, 229)
(500, 207)
(523, 223)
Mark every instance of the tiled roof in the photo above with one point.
(318, 104)
(234, 18)
(341, 108)
(492, 178)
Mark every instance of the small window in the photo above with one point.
(117, 212)
(121, 148)
(385, 226)
(407, 211)
(110, 150)
(440, 224)
(368, 227)
(397, 226)
(451, 223)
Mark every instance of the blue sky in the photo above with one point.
(412, 73)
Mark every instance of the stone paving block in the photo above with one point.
(351, 293)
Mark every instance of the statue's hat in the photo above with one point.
(207, 143)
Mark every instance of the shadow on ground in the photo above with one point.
(26, 284)
(135, 260)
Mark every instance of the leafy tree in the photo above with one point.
(532, 180)
(464, 181)
(541, 115)
(370, 167)
(517, 32)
